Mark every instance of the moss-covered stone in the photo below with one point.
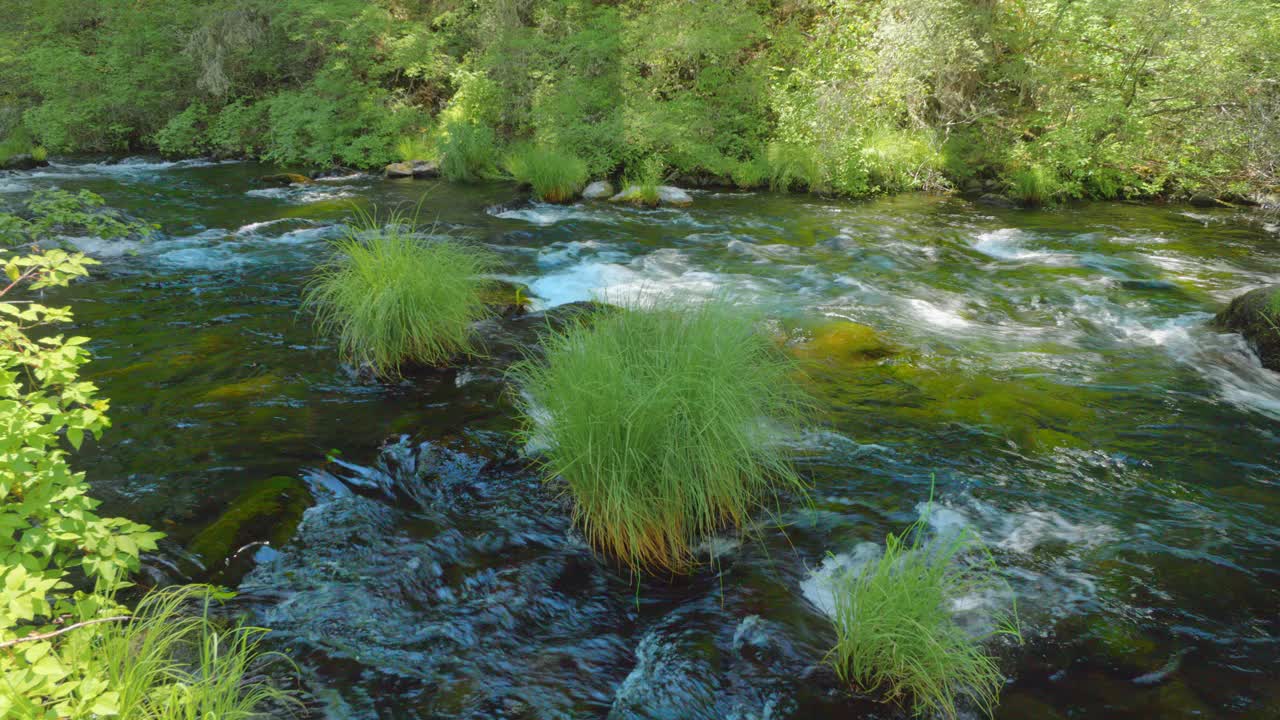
(283, 179)
(843, 342)
(250, 388)
(269, 511)
(1256, 316)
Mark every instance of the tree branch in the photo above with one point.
(59, 631)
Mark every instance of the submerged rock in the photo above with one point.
(598, 190)
(284, 179)
(843, 341)
(398, 170)
(998, 201)
(1256, 316)
(424, 169)
(24, 161)
(666, 195)
(268, 513)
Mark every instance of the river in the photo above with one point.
(1052, 380)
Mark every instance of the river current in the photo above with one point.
(1053, 385)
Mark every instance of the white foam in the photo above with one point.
(545, 214)
(819, 586)
(934, 315)
(1007, 244)
(304, 194)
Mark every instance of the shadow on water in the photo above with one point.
(1051, 369)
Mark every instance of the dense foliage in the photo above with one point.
(662, 424)
(67, 646)
(1046, 98)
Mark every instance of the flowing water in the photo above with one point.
(1051, 378)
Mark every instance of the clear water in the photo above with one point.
(1054, 379)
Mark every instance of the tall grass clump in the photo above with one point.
(415, 147)
(899, 160)
(554, 176)
(1033, 186)
(172, 661)
(468, 151)
(895, 634)
(392, 296)
(659, 420)
(641, 181)
(795, 167)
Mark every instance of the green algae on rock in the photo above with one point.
(1256, 316)
(266, 512)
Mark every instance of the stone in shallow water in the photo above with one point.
(268, 512)
(598, 190)
(1256, 316)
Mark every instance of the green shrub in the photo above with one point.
(39, 153)
(660, 423)
(60, 212)
(554, 176)
(795, 166)
(392, 297)
(895, 634)
(185, 133)
(1033, 186)
(468, 151)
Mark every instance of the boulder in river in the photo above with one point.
(266, 513)
(24, 161)
(1256, 316)
(666, 195)
(425, 169)
(284, 179)
(598, 190)
(398, 170)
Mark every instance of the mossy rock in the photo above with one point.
(1256, 316)
(506, 298)
(251, 388)
(844, 342)
(266, 512)
(283, 179)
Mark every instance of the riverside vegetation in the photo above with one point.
(69, 647)
(1040, 99)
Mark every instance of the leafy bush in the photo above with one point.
(52, 533)
(554, 176)
(468, 151)
(185, 133)
(661, 422)
(391, 296)
(60, 212)
(895, 634)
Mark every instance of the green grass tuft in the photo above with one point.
(642, 180)
(895, 633)
(554, 176)
(415, 147)
(795, 167)
(659, 422)
(391, 296)
(468, 151)
(1033, 186)
(170, 663)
